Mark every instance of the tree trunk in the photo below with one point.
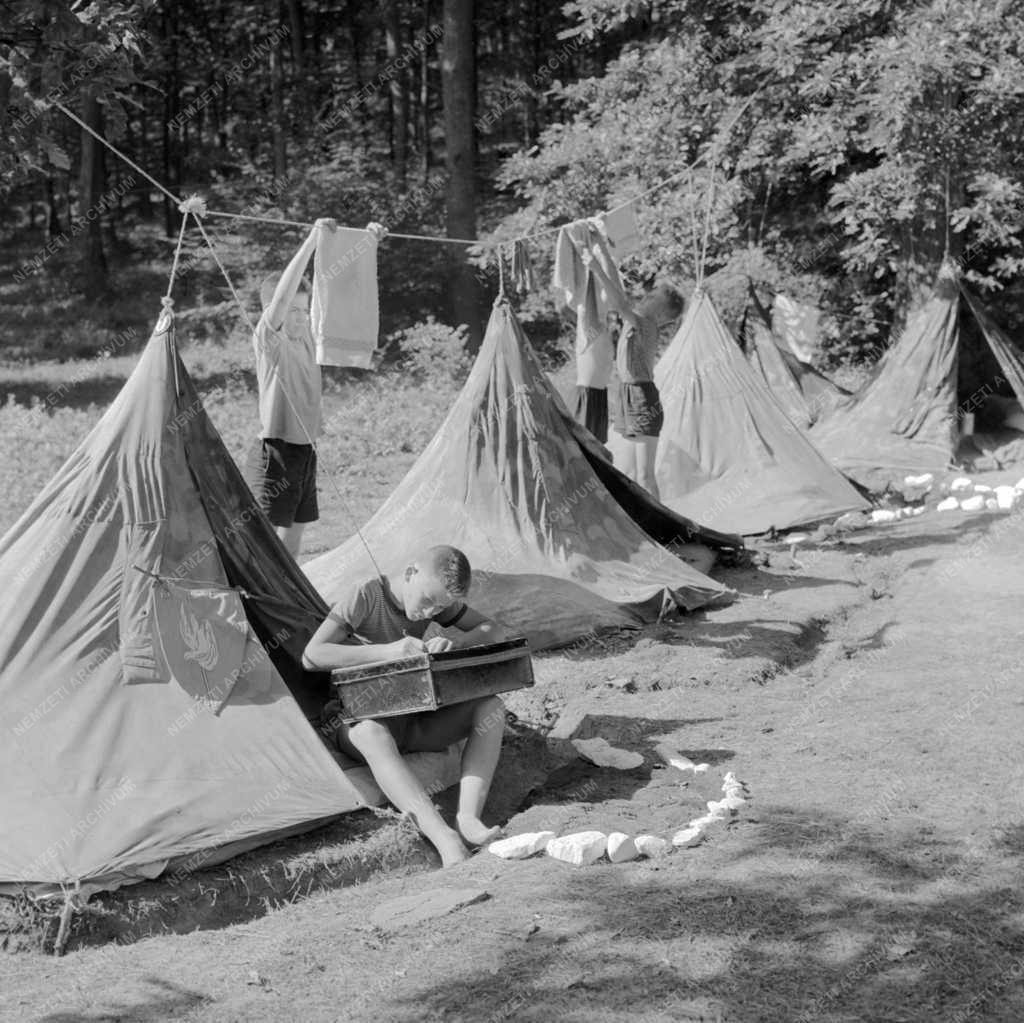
(279, 129)
(457, 90)
(52, 212)
(398, 90)
(425, 95)
(297, 31)
(90, 188)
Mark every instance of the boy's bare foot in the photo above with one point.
(474, 831)
(452, 851)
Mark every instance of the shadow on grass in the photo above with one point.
(164, 1001)
(829, 922)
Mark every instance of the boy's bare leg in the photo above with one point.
(482, 724)
(479, 759)
(403, 788)
(291, 537)
(645, 449)
(624, 457)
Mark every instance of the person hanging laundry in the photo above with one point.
(588, 283)
(280, 467)
(636, 410)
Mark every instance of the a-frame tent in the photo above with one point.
(728, 455)
(554, 554)
(148, 619)
(904, 421)
(804, 394)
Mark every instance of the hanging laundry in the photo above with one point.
(522, 269)
(588, 282)
(345, 313)
(621, 228)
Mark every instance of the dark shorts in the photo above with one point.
(431, 731)
(637, 411)
(282, 477)
(591, 409)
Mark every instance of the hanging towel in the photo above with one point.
(621, 229)
(345, 314)
(522, 269)
(588, 282)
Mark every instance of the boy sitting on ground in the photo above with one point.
(386, 619)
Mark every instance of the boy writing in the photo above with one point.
(385, 619)
(281, 466)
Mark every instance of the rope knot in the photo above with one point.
(194, 204)
(167, 303)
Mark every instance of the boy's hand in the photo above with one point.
(407, 646)
(328, 223)
(439, 644)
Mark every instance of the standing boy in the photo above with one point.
(386, 619)
(637, 414)
(281, 466)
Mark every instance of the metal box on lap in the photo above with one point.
(428, 681)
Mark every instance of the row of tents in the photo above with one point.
(156, 714)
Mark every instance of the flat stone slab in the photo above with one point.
(414, 909)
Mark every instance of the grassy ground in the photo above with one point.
(873, 877)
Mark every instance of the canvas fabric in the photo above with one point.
(804, 394)
(728, 455)
(116, 761)
(553, 553)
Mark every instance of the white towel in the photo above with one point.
(622, 230)
(345, 314)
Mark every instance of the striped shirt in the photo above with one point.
(371, 614)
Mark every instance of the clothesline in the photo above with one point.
(442, 239)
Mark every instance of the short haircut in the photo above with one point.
(269, 286)
(662, 297)
(452, 567)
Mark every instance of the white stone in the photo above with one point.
(701, 768)
(651, 846)
(991, 504)
(601, 752)
(518, 847)
(580, 849)
(621, 847)
(730, 781)
(1019, 485)
(982, 488)
(688, 837)
(949, 504)
(917, 510)
(732, 802)
(722, 807)
(1006, 497)
(919, 481)
(975, 503)
(884, 515)
(960, 483)
(707, 820)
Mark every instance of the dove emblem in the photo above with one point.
(199, 639)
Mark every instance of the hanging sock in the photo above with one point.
(523, 279)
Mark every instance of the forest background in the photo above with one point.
(839, 149)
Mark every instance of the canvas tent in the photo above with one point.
(554, 554)
(904, 419)
(728, 455)
(148, 620)
(804, 394)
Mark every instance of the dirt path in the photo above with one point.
(876, 875)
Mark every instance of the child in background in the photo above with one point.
(386, 619)
(281, 466)
(636, 410)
